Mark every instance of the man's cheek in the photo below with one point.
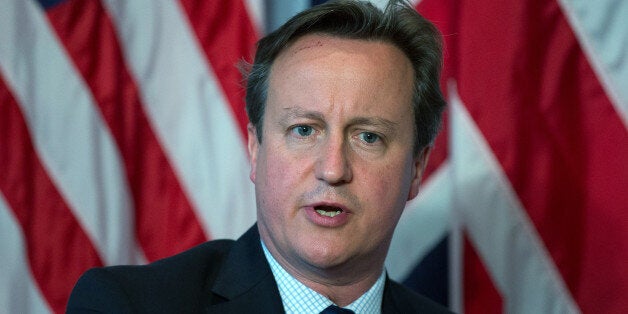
(278, 173)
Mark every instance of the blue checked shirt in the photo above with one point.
(298, 298)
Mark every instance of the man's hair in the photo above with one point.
(398, 24)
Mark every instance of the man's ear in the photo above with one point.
(253, 147)
(420, 161)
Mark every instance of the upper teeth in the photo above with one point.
(328, 214)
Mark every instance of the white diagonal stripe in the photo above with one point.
(424, 222)
(188, 111)
(68, 133)
(18, 292)
(601, 28)
(498, 225)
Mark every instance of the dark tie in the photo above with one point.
(332, 309)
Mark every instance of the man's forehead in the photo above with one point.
(307, 43)
(312, 50)
(312, 43)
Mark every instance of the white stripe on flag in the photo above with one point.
(190, 114)
(68, 133)
(280, 11)
(257, 12)
(600, 27)
(379, 3)
(424, 222)
(498, 225)
(18, 291)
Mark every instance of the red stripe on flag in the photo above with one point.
(439, 151)
(527, 84)
(480, 294)
(227, 35)
(165, 220)
(58, 249)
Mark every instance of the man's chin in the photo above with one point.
(327, 262)
(330, 261)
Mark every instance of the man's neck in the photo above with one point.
(341, 284)
(341, 295)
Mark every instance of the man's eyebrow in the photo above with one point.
(295, 112)
(387, 125)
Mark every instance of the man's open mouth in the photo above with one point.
(329, 211)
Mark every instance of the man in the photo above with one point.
(344, 104)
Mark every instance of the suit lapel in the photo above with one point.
(245, 283)
(388, 301)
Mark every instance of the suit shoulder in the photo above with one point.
(197, 261)
(178, 281)
(97, 291)
(409, 301)
(212, 253)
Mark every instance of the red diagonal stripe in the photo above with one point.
(440, 150)
(480, 294)
(58, 249)
(165, 220)
(527, 84)
(226, 34)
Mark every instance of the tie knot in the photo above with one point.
(333, 309)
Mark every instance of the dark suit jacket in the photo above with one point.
(221, 276)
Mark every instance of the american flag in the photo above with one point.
(122, 142)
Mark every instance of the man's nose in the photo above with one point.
(333, 165)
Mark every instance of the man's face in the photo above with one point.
(336, 164)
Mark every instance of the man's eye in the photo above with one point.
(369, 137)
(303, 130)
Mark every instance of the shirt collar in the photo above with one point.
(298, 298)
